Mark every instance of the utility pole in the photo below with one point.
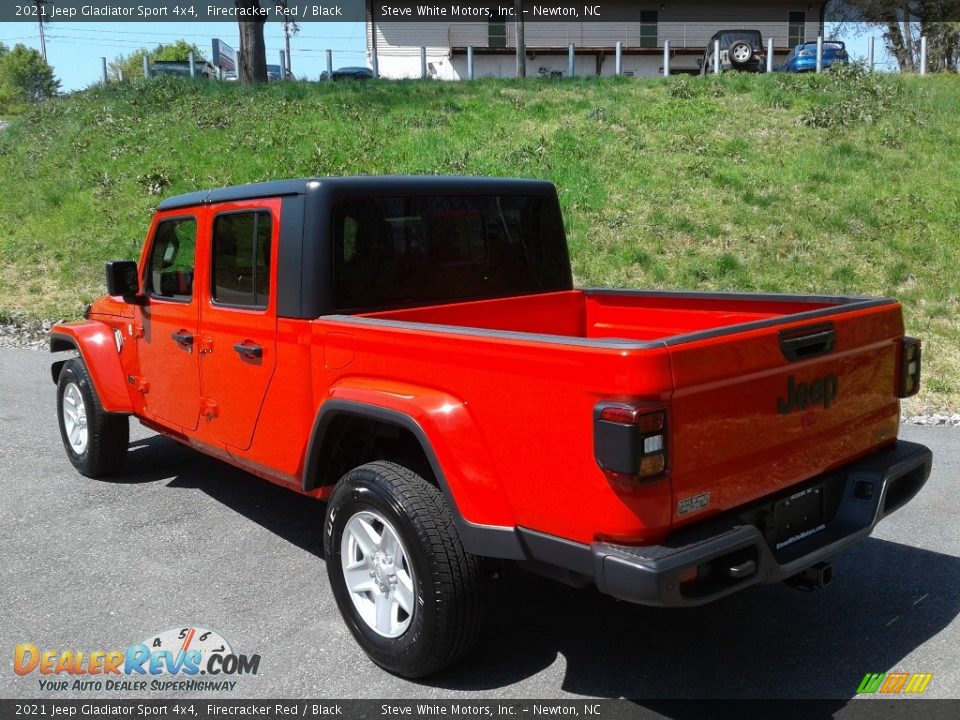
(289, 28)
(521, 42)
(40, 18)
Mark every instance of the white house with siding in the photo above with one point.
(641, 27)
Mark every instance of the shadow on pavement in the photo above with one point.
(766, 642)
(295, 518)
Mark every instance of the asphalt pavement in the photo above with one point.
(182, 540)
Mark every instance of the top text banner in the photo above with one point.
(64, 11)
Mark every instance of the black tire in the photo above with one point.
(445, 622)
(732, 53)
(108, 434)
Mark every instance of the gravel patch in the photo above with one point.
(19, 332)
(933, 419)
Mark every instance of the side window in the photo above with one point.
(170, 275)
(241, 259)
(349, 239)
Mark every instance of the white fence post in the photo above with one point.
(923, 54)
(820, 53)
(423, 62)
(571, 61)
(283, 65)
(193, 64)
(716, 57)
(769, 55)
(619, 64)
(470, 63)
(330, 65)
(103, 68)
(666, 58)
(146, 66)
(870, 55)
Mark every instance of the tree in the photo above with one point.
(253, 51)
(25, 74)
(903, 23)
(132, 64)
(943, 45)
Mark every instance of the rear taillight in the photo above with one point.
(909, 367)
(630, 442)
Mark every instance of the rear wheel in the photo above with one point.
(96, 441)
(404, 585)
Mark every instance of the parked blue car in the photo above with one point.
(803, 58)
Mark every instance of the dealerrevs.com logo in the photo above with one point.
(187, 659)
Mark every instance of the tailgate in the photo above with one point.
(757, 411)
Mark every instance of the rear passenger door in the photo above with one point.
(238, 318)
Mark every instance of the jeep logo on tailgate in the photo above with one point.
(822, 391)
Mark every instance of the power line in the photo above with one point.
(153, 34)
(129, 32)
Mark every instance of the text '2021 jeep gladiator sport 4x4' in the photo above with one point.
(413, 352)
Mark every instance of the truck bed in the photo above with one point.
(628, 315)
(530, 370)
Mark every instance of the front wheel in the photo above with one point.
(96, 441)
(402, 581)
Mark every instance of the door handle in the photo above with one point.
(182, 338)
(249, 351)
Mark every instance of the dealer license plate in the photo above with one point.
(797, 517)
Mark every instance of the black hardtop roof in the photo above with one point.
(737, 31)
(362, 185)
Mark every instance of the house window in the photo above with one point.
(797, 32)
(497, 34)
(648, 29)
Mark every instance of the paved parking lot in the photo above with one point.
(183, 540)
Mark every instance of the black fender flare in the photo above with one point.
(484, 540)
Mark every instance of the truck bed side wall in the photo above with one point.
(511, 422)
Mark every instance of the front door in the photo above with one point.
(168, 323)
(238, 318)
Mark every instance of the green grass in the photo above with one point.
(810, 184)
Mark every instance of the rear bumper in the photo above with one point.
(872, 488)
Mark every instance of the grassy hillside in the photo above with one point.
(829, 184)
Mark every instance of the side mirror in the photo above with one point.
(122, 279)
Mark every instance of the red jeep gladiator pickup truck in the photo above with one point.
(412, 350)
